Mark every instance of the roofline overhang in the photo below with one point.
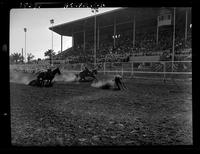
(86, 18)
(53, 28)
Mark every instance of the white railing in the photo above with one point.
(133, 69)
(164, 69)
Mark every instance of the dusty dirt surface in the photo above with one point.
(77, 114)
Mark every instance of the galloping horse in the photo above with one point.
(87, 73)
(47, 76)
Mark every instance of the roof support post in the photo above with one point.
(186, 23)
(95, 56)
(84, 40)
(173, 43)
(98, 37)
(114, 31)
(61, 39)
(133, 31)
(73, 40)
(157, 31)
(95, 10)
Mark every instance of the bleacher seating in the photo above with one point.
(145, 45)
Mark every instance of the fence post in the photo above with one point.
(164, 70)
(132, 69)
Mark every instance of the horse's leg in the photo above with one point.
(81, 77)
(78, 78)
(47, 83)
(42, 83)
(50, 82)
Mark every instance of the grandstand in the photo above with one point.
(130, 41)
(127, 34)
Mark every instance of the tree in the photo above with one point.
(49, 53)
(16, 57)
(30, 57)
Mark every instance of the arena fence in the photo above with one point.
(151, 69)
(136, 69)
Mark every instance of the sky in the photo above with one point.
(37, 22)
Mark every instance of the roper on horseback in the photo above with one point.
(86, 69)
(86, 73)
(45, 78)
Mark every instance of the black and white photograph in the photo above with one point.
(100, 76)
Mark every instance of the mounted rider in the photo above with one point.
(49, 71)
(47, 76)
(86, 73)
(86, 69)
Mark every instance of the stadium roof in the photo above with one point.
(122, 15)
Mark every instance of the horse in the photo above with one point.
(87, 73)
(45, 78)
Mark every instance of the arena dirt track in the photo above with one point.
(78, 114)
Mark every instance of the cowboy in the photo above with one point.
(86, 70)
(118, 82)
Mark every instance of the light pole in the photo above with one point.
(25, 30)
(95, 10)
(51, 60)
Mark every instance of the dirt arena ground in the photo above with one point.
(76, 114)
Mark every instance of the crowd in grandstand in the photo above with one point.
(145, 45)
